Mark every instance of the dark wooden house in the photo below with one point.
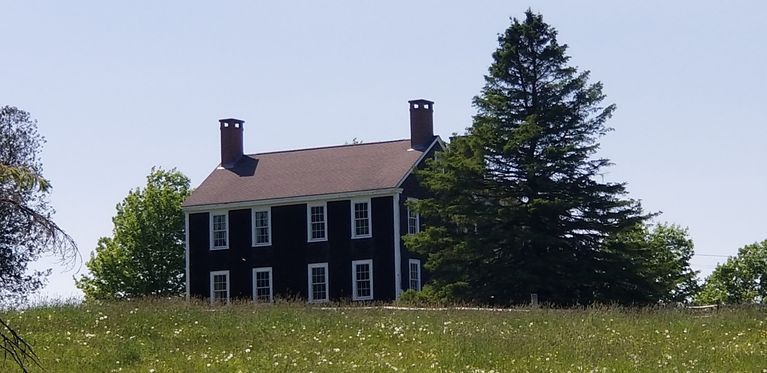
(320, 224)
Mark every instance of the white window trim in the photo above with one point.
(417, 217)
(228, 281)
(253, 211)
(309, 282)
(370, 218)
(271, 283)
(410, 273)
(354, 279)
(309, 206)
(210, 225)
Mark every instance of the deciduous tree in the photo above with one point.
(145, 255)
(648, 265)
(741, 279)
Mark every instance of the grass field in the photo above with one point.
(175, 336)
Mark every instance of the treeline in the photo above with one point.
(517, 206)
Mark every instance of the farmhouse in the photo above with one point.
(319, 224)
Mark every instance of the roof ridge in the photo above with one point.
(328, 147)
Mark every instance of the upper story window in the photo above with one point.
(413, 221)
(361, 225)
(219, 286)
(437, 156)
(317, 222)
(219, 230)
(262, 227)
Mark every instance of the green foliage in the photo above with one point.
(644, 266)
(176, 336)
(519, 205)
(24, 177)
(26, 228)
(741, 279)
(145, 255)
(21, 239)
(424, 298)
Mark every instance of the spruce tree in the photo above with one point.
(519, 203)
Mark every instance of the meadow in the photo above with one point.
(177, 336)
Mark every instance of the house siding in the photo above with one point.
(411, 188)
(290, 253)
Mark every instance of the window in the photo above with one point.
(413, 221)
(415, 274)
(219, 230)
(262, 227)
(262, 284)
(362, 279)
(219, 287)
(316, 223)
(361, 219)
(318, 282)
(437, 156)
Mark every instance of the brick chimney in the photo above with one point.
(421, 124)
(231, 141)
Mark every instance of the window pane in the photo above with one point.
(319, 292)
(318, 213)
(361, 219)
(317, 222)
(319, 286)
(261, 226)
(219, 222)
(318, 230)
(263, 286)
(412, 222)
(219, 230)
(415, 276)
(363, 280)
(219, 287)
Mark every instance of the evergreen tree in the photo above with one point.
(26, 229)
(145, 255)
(519, 205)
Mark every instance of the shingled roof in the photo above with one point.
(308, 172)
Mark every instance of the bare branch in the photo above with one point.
(15, 347)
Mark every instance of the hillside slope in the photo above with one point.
(175, 336)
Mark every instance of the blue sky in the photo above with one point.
(120, 87)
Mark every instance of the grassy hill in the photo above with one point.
(175, 336)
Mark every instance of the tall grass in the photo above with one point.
(176, 336)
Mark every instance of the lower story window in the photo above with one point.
(415, 274)
(318, 282)
(219, 286)
(362, 279)
(262, 284)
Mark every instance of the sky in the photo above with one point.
(119, 87)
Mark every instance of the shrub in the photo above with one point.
(424, 298)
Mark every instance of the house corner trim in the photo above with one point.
(186, 252)
(397, 249)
